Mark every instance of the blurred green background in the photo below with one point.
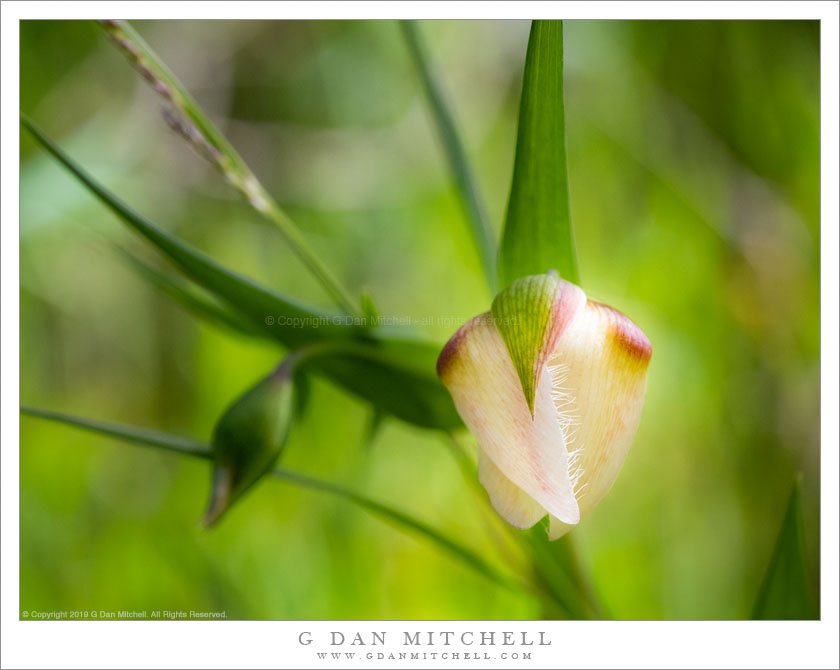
(694, 168)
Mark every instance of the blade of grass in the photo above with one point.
(241, 293)
(459, 165)
(400, 520)
(190, 120)
(207, 309)
(395, 373)
(537, 236)
(785, 592)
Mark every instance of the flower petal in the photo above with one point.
(530, 451)
(511, 502)
(600, 375)
(557, 529)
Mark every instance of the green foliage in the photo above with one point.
(392, 381)
(393, 373)
(290, 323)
(537, 235)
(785, 592)
(188, 119)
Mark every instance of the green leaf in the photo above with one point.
(207, 309)
(249, 437)
(465, 181)
(785, 592)
(395, 386)
(188, 119)
(537, 235)
(400, 520)
(395, 373)
(523, 316)
(288, 321)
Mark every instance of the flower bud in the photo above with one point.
(248, 438)
(552, 386)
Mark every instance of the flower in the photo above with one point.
(552, 385)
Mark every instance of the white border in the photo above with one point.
(273, 644)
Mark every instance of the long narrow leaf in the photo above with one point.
(537, 235)
(401, 520)
(785, 592)
(191, 121)
(202, 307)
(396, 374)
(291, 323)
(393, 384)
(459, 165)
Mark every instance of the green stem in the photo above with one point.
(555, 573)
(566, 546)
(464, 179)
(188, 119)
(142, 436)
(185, 446)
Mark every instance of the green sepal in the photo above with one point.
(522, 314)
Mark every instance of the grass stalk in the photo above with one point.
(187, 118)
(465, 180)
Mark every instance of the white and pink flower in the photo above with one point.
(552, 385)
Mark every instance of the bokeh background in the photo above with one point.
(694, 168)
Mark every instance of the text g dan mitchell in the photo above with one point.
(428, 638)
